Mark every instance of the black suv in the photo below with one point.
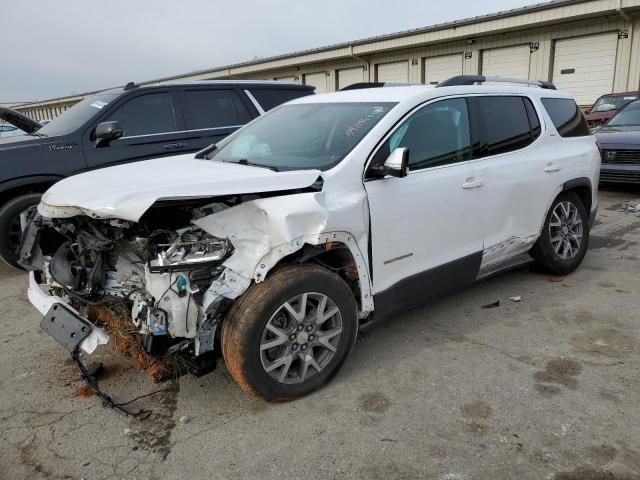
(124, 125)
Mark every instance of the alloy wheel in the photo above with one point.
(301, 338)
(566, 230)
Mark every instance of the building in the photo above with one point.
(585, 47)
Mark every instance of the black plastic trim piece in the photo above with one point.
(65, 326)
(417, 288)
(592, 217)
(578, 182)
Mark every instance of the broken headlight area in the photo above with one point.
(160, 277)
(188, 249)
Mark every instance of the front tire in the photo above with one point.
(564, 239)
(14, 217)
(289, 335)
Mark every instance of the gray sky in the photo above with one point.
(55, 48)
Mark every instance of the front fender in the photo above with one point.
(264, 231)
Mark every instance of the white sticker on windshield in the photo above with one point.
(630, 98)
(98, 104)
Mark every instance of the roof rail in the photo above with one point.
(361, 85)
(358, 86)
(473, 79)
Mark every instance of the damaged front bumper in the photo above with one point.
(62, 322)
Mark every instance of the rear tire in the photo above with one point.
(289, 335)
(11, 228)
(564, 239)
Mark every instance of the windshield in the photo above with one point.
(303, 136)
(629, 117)
(612, 102)
(77, 115)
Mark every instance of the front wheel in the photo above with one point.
(565, 236)
(289, 335)
(14, 218)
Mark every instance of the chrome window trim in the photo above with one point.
(255, 102)
(536, 107)
(180, 131)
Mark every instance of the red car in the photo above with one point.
(607, 105)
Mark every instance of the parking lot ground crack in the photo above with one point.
(207, 429)
(473, 341)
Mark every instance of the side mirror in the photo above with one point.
(587, 111)
(396, 164)
(106, 132)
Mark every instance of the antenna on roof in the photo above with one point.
(130, 86)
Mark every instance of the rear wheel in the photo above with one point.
(289, 335)
(15, 215)
(565, 236)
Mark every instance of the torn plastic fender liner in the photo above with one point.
(263, 231)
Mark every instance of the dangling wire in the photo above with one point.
(106, 399)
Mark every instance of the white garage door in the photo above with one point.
(438, 69)
(585, 66)
(506, 62)
(318, 80)
(286, 79)
(397, 72)
(349, 76)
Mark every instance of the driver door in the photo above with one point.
(427, 227)
(152, 128)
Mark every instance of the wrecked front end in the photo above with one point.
(163, 272)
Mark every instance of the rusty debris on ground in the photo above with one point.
(124, 336)
(83, 391)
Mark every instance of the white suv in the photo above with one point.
(324, 214)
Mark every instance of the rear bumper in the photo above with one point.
(619, 173)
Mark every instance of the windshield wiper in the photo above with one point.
(244, 161)
(37, 134)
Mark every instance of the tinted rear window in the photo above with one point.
(506, 124)
(567, 117)
(214, 108)
(271, 98)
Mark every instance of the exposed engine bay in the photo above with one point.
(171, 272)
(160, 268)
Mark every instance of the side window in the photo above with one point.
(567, 117)
(146, 114)
(506, 124)
(271, 98)
(534, 121)
(214, 108)
(437, 134)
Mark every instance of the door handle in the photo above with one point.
(174, 146)
(552, 168)
(472, 183)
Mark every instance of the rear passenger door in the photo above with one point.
(518, 188)
(210, 114)
(152, 128)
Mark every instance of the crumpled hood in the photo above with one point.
(127, 191)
